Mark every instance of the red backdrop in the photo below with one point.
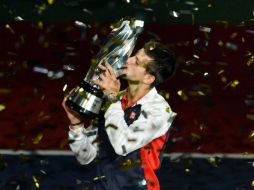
(212, 90)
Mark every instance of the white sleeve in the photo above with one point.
(82, 143)
(153, 122)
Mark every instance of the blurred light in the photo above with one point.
(196, 56)
(231, 46)
(204, 29)
(40, 70)
(234, 83)
(18, 18)
(80, 24)
(189, 3)
(50, 2)
(2, 107)
(174, 13)
(65, 87)
(88, 11)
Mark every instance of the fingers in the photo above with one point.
(65, 99)
(110, 70)
(104, 69)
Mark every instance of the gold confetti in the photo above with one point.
(83, 93)
(220, 72)
(182, 95)
(36, 182)
(38, 138)
(188, 72)
(93, 61)
(234, 83)
(40, 24)
(2, 107)
(251, 135)
(220, 43)
(41, 8)
(195, 136)
(223, 79)
(50, 2)
(250, 61)
(64, 143)
(250, 116)
(196, 93)
(226, 23)
(144, 2)
(129, 163)
(164, 94)
(233, 35)
(168, 109)
(212, 161)
(10, 28)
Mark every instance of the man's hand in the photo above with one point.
(72, 115)
(107, 80)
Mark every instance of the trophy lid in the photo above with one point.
(118, 46)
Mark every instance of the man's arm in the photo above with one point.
(82, 143)
(153, 123)
(80, 139)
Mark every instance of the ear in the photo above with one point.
(149, 79)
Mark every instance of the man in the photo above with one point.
(125, 146)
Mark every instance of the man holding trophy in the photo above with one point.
(124, 144)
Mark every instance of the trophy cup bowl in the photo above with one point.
(87, 98)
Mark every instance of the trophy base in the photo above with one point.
(86, 100)
(82, 111)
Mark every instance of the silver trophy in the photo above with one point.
(87, 98)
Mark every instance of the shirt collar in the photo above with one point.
(141, 100)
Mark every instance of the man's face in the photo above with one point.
(134, 68)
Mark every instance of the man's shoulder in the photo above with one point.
(155, 98)
(154, 101)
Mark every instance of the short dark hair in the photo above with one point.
(164, 63)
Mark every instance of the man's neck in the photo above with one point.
(136, 91)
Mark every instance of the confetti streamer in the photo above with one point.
(231, 46)
(36, 182)
(7, 26)
(204, 29)
(38, 138)
(2, 107)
